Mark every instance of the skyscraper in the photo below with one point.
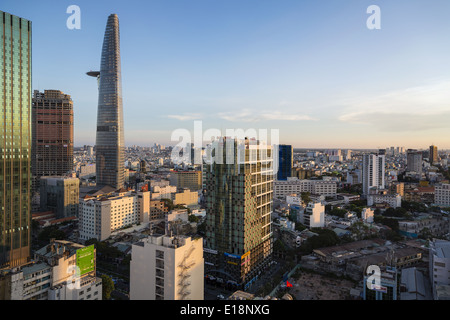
(373, 171)
(239, 198)
(285, 160)
(414, 161)
(433, 154)
(110, 136)
(52, 128)
(15, 139)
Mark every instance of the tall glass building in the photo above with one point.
(15, 139)
(285, 161)
(110, 136)
(239, 199)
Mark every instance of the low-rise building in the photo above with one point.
(62, 270)
(185, 197)
(313, 216)
(436, 226)
(442, 195)
(283, 188)
(393, 200)
(367, 215)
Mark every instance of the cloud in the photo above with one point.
(247, 115)
(417, 108)
(185, 117)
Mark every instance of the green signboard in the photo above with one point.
(86, 259)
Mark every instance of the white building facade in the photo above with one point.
(167, 268)
(313, 216)
(99, 217)
(293, 185)
(442, 195)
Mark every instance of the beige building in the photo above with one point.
(367, 215)
(186, 179)
(101, 215)
(185, 197)
(399, 187)
(167, 268)
(164, 192)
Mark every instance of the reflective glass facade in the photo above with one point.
(285, 160)
(238, 199)
(15, 139)
(110, 135)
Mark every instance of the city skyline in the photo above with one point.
(315, 72)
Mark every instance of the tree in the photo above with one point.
(306, 197)
(193, 218)
(168, 203)
(425, 234)
(107, 287)
(338, 212)
(51, 232)
(325, 238)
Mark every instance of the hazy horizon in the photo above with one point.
(312, 70)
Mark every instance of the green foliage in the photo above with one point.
(104, 250)
(325, 238)
(201, 228)
(391, 223)
(425, 234)
(414, 206)
(169, 204)
(306, 197)
(193, 218)
(338, 212)
(51, 232)
(107, 287)
(279, 246)
(397, 212)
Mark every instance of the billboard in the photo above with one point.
(86, 259)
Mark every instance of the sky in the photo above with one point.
(310, 70)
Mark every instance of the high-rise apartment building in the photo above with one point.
(238, 198)
(167, 268)
(285, 161)
(52, 128)
(60, 195)
(110, 148)
(373, 171)
(15, 139)
(433, 154)
(414, 161)
(191, 179)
